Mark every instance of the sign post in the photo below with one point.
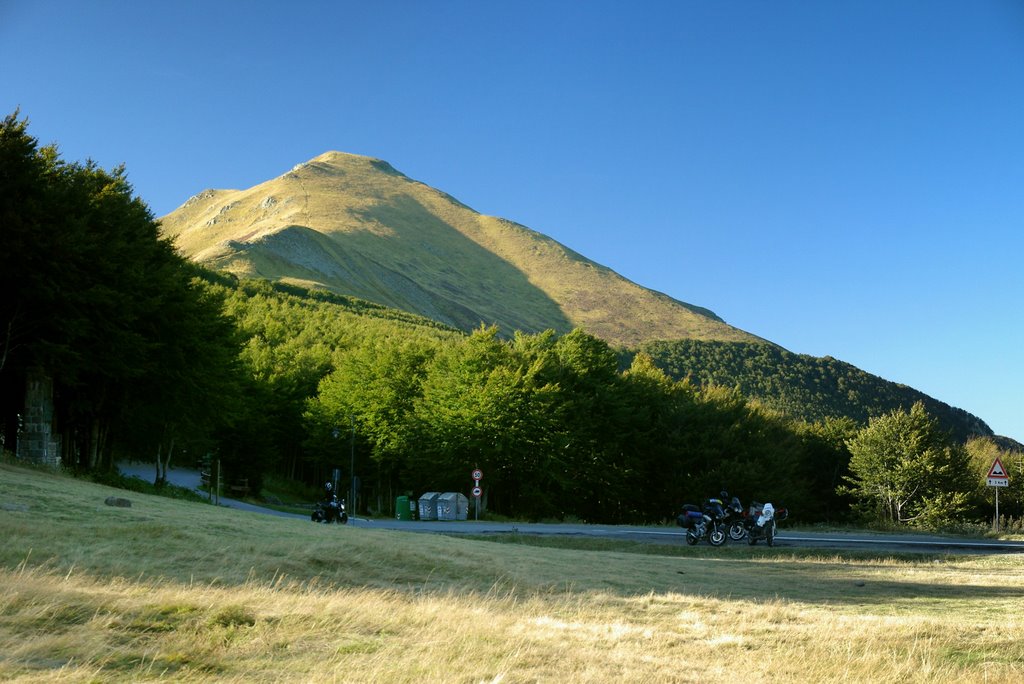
(477, 476)
(997, 478)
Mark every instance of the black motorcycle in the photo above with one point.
(735, 520)
(330, 510)
(703, 524)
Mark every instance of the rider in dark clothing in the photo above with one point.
(717, 505)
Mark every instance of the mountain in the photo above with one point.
(355, 226)
(352, 226)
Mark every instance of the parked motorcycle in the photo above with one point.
(330, 510)
(762, 522)
(735, 521)
(703, 524)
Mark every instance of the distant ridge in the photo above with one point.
(356, 226)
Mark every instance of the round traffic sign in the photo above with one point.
(477, 492)
(478, 474)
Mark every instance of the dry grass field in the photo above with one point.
(176, 591)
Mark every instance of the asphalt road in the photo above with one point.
(885, 543)
(888, 543)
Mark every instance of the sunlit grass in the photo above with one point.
(171, 590)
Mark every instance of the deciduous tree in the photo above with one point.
(905, 469)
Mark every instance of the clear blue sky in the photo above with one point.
(842, 178)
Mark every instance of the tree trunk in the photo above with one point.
(94, 444)
(163, 465)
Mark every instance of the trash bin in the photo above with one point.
(452, 506)
(428, 506)
(403, 508)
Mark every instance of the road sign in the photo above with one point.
(478, 474)
(477, 492)
(997, 476)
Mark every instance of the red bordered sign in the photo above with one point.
(997, 476)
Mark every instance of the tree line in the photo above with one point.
(155, 358)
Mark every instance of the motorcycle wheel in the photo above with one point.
(317, 516)
(691, 538)
(343, 519)
(737, 531)
(717, 537)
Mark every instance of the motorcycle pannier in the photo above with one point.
(690, 515)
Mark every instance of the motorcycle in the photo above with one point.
(330, 510)
(762, 523)
(734, 520)
(706, 524)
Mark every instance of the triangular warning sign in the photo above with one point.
(997, 469)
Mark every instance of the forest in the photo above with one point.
(799, 385)
(154, 358)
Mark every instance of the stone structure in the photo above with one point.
(37, 443)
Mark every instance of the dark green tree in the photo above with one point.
(653, 440)
(824, 463)
(99, 302)
(372, 389)
(484, 405)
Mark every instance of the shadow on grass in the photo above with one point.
(848, 577)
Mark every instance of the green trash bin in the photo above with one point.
(403, 509)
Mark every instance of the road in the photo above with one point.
(192, 479)
(885, 543)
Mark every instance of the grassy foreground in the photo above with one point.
(173, 590)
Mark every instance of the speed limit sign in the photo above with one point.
(478, 474)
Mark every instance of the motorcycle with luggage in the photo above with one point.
(762, 522)
(703, 524)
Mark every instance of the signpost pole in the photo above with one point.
(477, 476)
(997, 510)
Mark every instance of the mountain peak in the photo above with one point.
(334, 159)
(337, 157)
(354, 225)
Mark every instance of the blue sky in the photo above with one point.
(842, 178)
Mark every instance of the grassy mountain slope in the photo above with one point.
(356, 226)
